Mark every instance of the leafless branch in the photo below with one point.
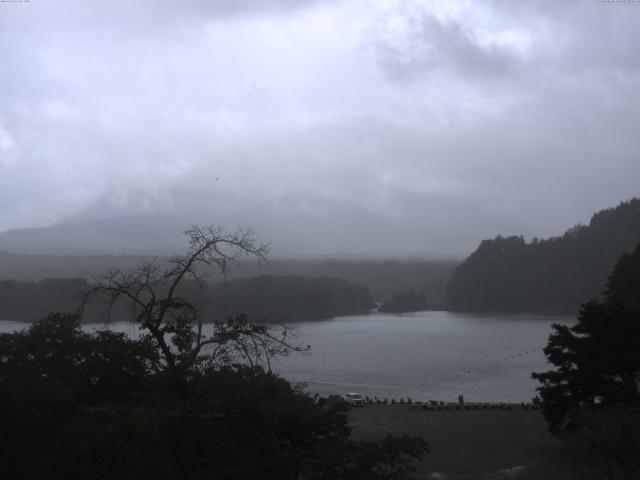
(174, 323)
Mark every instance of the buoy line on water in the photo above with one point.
(497, 363)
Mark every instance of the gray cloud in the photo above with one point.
(147, 14)
(435, 44)
(450, 121)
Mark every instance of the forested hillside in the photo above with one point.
(30, 301)
(276, 297)
(548, 276)
(383, 278)
(409, 301)
(291, 297)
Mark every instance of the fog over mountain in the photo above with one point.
(331, 127)
(296, 225)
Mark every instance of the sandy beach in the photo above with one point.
(475, 444)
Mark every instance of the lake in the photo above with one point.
(423, 355)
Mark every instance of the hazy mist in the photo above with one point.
(392, 127)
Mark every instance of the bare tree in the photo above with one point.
(172, 322)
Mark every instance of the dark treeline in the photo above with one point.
(34, 268)
(384, 278)
(283, 298)
(547, 276)
(293, 297)
(409, 301)
(31, 301)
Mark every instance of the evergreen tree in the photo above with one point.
(597, 360)
(550, 276)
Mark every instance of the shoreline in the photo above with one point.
(315, 318)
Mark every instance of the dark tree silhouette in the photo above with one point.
(163, 299)
(598, 359)
(409, 301)
(53, 376)
(592, 397)
(609, 439)
(176, 403)
(549, 276)
(75, 405)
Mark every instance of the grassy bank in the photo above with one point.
(475, 444)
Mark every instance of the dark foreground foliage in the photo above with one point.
(179, 403)
(598, 359)
(102, 406)
(609, 440)
(592, 397)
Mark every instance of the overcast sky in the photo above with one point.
(521, 116)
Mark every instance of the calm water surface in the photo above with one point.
(424, 355)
